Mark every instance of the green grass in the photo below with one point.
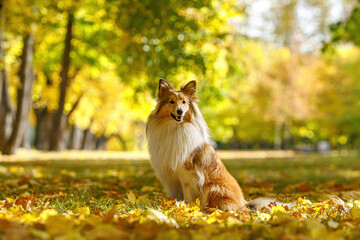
(99, 186)
(312, 176)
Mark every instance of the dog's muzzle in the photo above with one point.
(177, 118)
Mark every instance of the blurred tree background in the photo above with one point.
(82, 74)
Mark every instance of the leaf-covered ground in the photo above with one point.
(124, 200)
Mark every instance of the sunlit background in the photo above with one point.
(271, 74)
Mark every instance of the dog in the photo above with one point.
(181, 153)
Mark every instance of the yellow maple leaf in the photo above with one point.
(131, 198)
(263, 216)
(276, 209)
(147, 189)
(355, 212)
(82, 210)
(301, 201)
(213, 217)
(159, 217)
(47, 213)
(137, 212)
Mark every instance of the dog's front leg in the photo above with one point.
(188, 197)
(189, 162)
(175, 190)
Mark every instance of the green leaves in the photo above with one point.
(121, 48)
(346, 31)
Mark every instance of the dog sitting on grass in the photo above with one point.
(181, 155)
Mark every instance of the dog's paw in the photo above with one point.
(245, 210)
(188, 165)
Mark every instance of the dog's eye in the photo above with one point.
(184, 101)
(172, 102)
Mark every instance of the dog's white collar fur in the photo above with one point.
(171, 142)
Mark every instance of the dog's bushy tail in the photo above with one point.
(259, 203)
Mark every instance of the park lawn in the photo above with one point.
(124, 200)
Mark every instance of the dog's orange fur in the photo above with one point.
(220, 189)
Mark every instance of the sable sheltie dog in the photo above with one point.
(181, 155)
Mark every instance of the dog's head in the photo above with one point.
(176, 105)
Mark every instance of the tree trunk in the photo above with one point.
(287, 135)
(277, 135)
(2, 76)
(76, 138)
(43, 128)
(24, 97)
(101, 143)
(123, 142)
(2, 50)
(59, 126)
(90, 140)
(26, 142)
(6, 110)
(5, 101)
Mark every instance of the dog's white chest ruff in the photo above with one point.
(171, 143)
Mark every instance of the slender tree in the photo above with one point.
(59, 121)
(24, 97)
(6, 109)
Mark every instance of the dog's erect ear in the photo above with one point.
(189, 90)
(164, 88)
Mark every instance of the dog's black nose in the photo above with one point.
(180, 112)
